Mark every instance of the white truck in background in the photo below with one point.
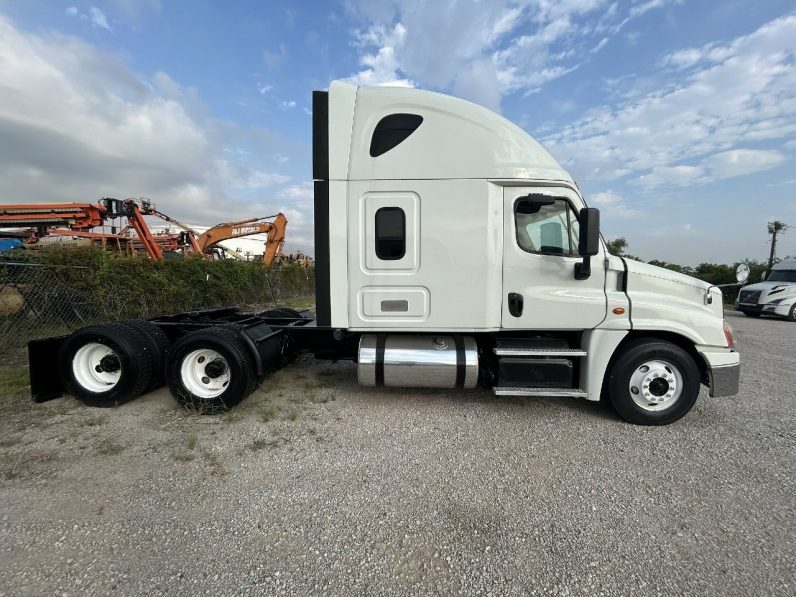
(775, 295)
(451, 250)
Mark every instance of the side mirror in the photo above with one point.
(742, 273)
(532, 203)
(589, 242)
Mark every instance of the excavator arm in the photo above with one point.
(274, 230)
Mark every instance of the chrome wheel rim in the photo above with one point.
(96, 367)
(656, 385)
(205, 373)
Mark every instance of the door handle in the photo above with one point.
(515, 304)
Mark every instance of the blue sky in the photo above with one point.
(677, 118)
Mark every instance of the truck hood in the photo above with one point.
(638, 269)
(769, 291)
(663, 300)
(767, 286)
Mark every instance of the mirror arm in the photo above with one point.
(583, 269)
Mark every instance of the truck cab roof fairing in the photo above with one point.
(457, 139)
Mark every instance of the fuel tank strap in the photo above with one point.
(381, 340)
(461, 364)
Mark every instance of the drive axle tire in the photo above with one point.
(105, 365)
(653, 382)
(210, 370)
(159, 345)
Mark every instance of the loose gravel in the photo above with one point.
(315, 485)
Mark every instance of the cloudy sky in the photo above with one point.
(676, 117)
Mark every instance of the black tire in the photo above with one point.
(792, 313)
(133, 358)
(632, 357)
(751, 313)
(159, 345)
(239, 362)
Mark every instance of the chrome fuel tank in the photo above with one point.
(418, 361)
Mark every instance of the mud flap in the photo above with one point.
(45, 384)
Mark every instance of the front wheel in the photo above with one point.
(751, 313)
(792, 313)
(653, 382)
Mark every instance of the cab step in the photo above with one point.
(511, 351)
(560, 392)
(536, 347)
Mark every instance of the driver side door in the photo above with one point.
(540, 251)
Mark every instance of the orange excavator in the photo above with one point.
(274, 231)
(78, 219)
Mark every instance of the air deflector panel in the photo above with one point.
(391, 131)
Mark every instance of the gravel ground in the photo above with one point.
(315, 485)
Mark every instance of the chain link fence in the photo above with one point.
(40, 299)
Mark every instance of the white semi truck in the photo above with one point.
(451, 250)
(775, 295)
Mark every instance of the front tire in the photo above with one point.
(210, 370)
(751, 313)
(792, 313)
(653, 382)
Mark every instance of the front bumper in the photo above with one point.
(724, 370)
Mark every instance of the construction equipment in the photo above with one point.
(77, 221)
(117, 208)
(41, 217)
(148, 209)
(275, 231)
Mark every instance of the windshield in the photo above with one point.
(782, 275)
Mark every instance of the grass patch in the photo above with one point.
(268, 412)
(214, 462)
(292, 414)
(184, 456)
(190, 443)
(94, 421)
(108, 447)
(13, 385)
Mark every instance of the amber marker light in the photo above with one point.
(619, 310)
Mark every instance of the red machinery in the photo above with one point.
(78, 219)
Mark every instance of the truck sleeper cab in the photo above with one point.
(442, 228)
(452, 250)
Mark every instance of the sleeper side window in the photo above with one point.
(391, 131)
(390, 233)
(552, 230)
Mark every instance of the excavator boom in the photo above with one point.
(275, 231)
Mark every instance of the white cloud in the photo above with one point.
(734, 95)
(72, 11)
(738, 162)
(77, 124)
(508, 45)
(613, 204)
(98, 18)
(726, 164)
(381, 67)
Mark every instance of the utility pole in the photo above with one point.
(774, 228)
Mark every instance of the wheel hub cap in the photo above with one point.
(96, 367)
(656, 385)
(205, 373)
